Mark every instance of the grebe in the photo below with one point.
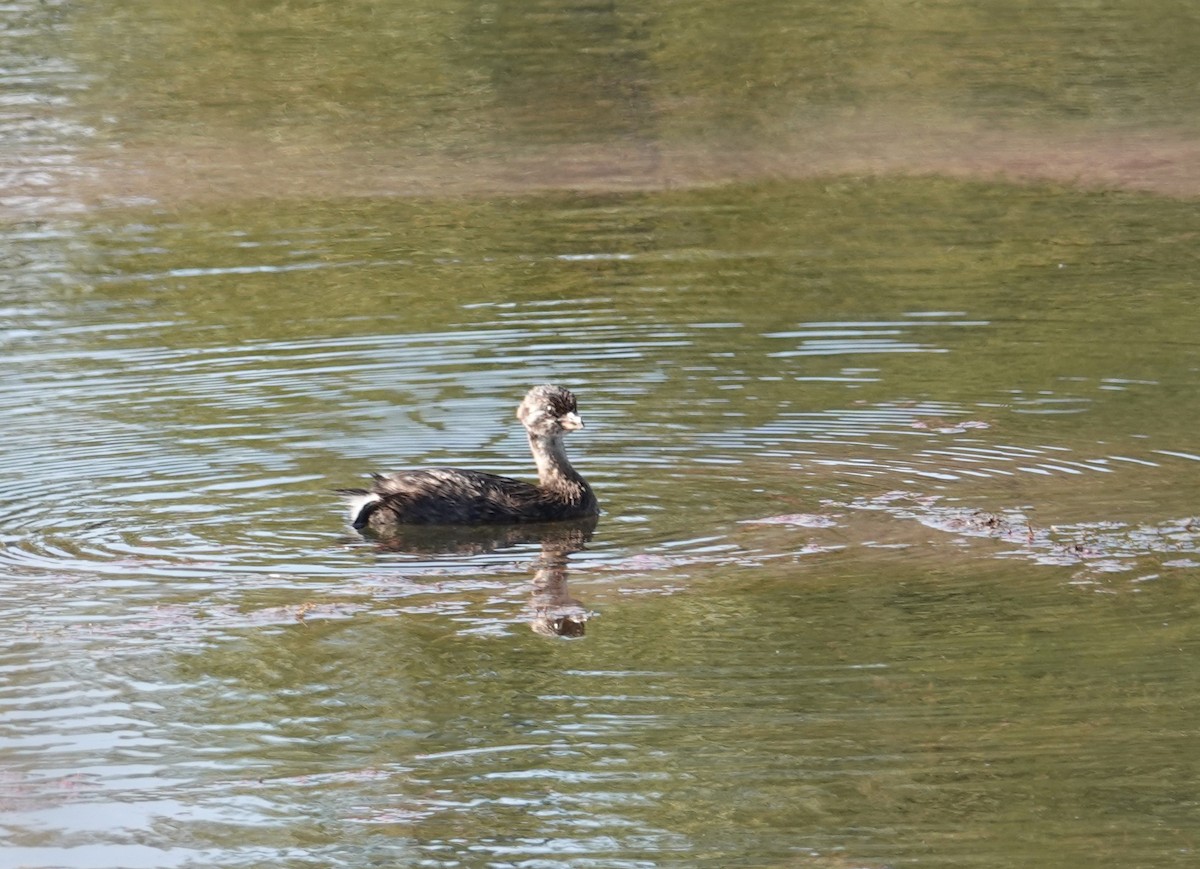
(451, 496)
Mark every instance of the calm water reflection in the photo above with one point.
(897, 456)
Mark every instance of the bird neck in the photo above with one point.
(554, 468)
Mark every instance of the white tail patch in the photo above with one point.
(356, 504)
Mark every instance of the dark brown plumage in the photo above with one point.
(451, 496)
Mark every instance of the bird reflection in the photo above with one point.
(553, 612)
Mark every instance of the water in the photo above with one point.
(883, 327)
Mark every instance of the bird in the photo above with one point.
(453, 496)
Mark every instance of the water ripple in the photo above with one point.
(177, 461)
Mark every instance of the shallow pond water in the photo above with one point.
(897, 446)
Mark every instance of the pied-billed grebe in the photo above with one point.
(450, 496)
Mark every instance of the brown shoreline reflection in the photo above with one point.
(553, 612)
